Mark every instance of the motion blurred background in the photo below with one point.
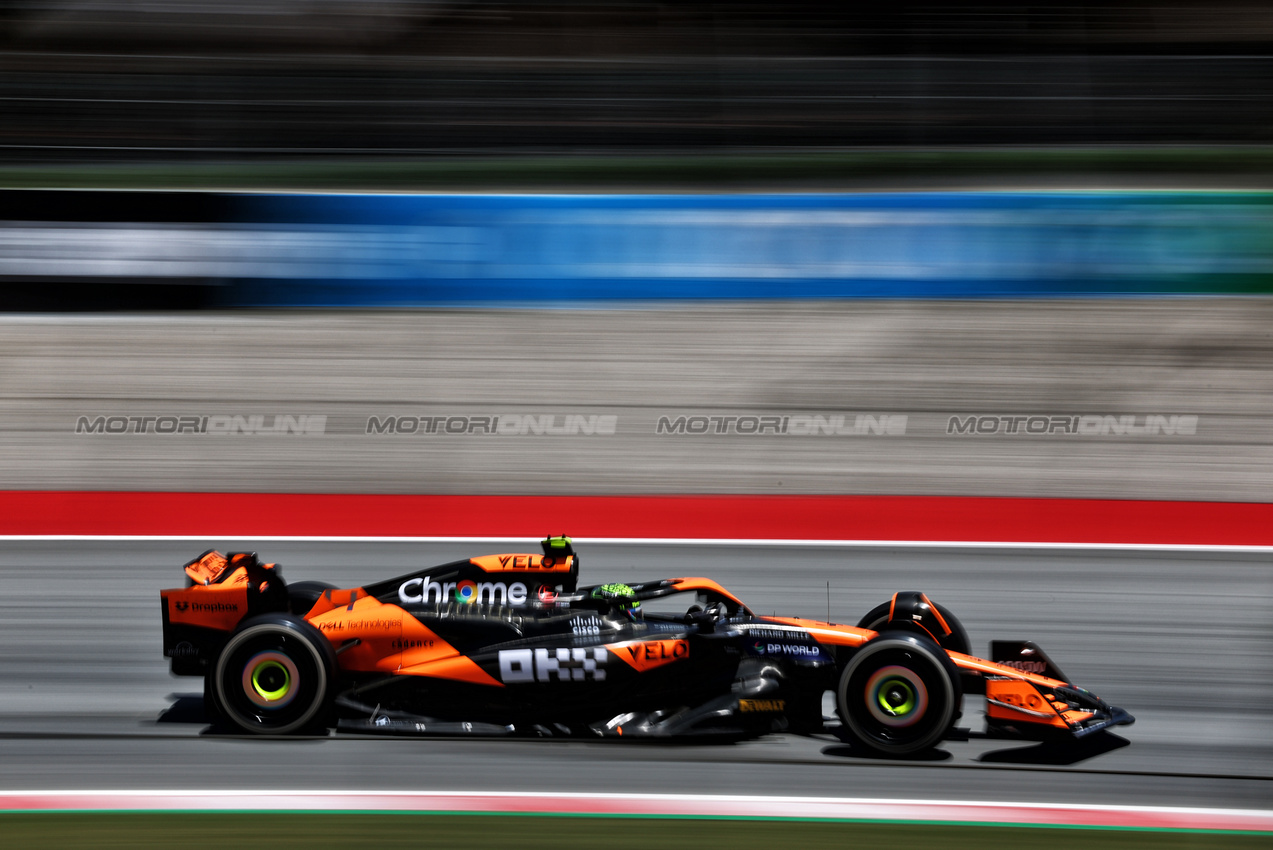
(911, 210)
(136, 81)
(605, 248)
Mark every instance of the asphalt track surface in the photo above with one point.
(1181, 639)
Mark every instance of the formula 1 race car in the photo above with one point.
(509, 644)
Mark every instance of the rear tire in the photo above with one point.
(211, 711)
(899, 694)
(274, 676)
(303, 595)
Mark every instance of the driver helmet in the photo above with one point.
(620, 596)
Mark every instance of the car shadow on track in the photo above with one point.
(1056, 753)
(848, 751)
(1045, 753)
(189, 709)
(185, 708)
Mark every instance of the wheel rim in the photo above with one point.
(270, 679)
(896, 696)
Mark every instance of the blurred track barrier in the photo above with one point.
(242, 250)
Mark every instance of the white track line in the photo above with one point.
(658, 541)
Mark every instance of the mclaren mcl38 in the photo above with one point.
(511, 644)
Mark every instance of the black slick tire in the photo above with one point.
(273, 676)
(899, 694)
(957, 641)
(302, 595)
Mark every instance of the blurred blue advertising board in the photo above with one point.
(420, 250)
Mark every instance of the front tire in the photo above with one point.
(898, 694)
(957, 641)
(274, 676)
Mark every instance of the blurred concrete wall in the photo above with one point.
(1123, 399)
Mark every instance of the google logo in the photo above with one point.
(466, 592)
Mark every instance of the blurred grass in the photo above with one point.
(267, 830)
(726, 171)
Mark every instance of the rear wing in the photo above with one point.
(221, 590)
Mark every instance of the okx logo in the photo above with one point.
(546, 665)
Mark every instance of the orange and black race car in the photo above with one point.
(510, 644)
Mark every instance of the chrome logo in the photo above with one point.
(466, 592)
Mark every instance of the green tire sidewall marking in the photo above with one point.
(273, 695)
(906, 707)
